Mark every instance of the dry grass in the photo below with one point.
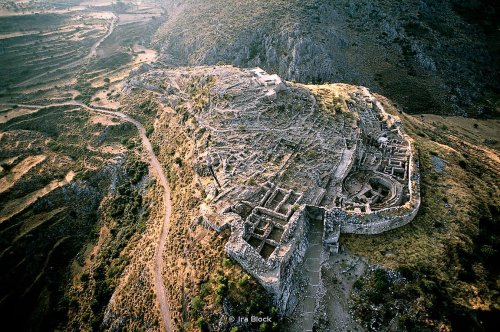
(330, 97)
(482, 133)
(446, 237)
(19, 170)
(194, 257)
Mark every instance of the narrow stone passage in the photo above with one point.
(312, 267)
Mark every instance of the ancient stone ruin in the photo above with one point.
(362, 179)
(276, 168)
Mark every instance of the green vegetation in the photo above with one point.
(149, 131)
(38, 22)
(126, 216)
(67, 218)
(378, 299)
(226, 286)
(86, 90)
(142, 107)
(136, 170)
(49, 241)
(38, 52)
(196, 305)
(112, 62)
(6, 167)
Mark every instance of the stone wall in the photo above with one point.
(387, 219)
(274, 274)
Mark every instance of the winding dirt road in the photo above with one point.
(153, 161)
(160, 175)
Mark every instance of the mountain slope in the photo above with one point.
(422, 54)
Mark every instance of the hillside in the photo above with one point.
(437, 57)
(448, 247)
(154, 177)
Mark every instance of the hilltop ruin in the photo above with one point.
(275, 166)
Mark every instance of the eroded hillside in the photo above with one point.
(53, 194)
(75, 187)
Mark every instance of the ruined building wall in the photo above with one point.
(387, 219)
(284, 298)
(274, 274)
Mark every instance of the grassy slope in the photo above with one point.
(448, 252)
(45, 243)
(447, 255)
(198, 275)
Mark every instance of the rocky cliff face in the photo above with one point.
(428, 56)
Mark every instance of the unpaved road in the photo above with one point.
(155, 165)
(93, 49)
(158, 172)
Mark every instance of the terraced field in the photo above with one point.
(73, 182)
(51, 189)
(45, 54)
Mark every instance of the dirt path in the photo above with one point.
(158, 171)
(312, 270)
(93, 49)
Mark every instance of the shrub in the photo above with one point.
(226, 262)
(178, 161)
(205, 289)
(221, 289)
(196, 305)
(54, 146)
(202, 324)
(84, 277)
(243, 281)
(6, 167)
(358, 285)
(381, 281)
